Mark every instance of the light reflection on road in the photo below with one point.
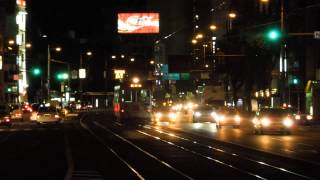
(295, 145)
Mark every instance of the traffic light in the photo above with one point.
(36, 71)
(62, 76)
(274, 34)
(8, 89)
(295, 81)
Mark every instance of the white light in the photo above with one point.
(265, 122)
(122, 56)
(158, 115)
(288, 122)
(237, 118)
(132, 59)
(197, 114)
(213, 114)
(113, 57)
(135, 80)
(298, 117)
(255, 120)
(172, 115)
(82, 73)
(309, 117)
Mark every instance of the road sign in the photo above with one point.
(74, 74)
(171, 76)
(317, 34)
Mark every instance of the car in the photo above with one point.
(5, 118)
(163, 114)
(47, 115)
(16, 112)
(226, 116)
(273, 119)
(204, 113)
(303, 119)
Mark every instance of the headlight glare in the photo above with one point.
(265, 122)
(197, 114)
(287, 122)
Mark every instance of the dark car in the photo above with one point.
(204, 113)
(5, 118)
(273, 119)
(304, 119)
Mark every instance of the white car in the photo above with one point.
(46, 115)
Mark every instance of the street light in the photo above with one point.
(151, 62)
(232, 15)
(28, 45)
(199, 36)
(11, 42)
(57, 49)
(135, 80)
(88, 53)
(194, 41)
(213, 27)
(132, 59)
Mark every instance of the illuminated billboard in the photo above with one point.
(138, 23)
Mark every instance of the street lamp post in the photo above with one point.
(89, 53)
(58, 49)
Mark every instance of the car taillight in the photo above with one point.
(7, 119)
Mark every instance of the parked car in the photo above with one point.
(273, 119)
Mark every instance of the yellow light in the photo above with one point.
(199, 36)
(264, 1)
(135, 80)
(232, 15)
(11, 42)
(58, 49)
(28, 45)
(194, 41)
(213, 27)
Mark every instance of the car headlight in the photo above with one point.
(237, 118)
(221, 118)
(197, 114)
(213, 114)
(172, 115)
(297, 117)
(309, 117)
(287, 122)
(158, 115)
(56, 116)
(255, 121)
(265, 122)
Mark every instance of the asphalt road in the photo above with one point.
(97, 146)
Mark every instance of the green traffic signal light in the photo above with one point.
(295, 81)
(62, 76)
(36, 71)
(9, 89)
(274, 34)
